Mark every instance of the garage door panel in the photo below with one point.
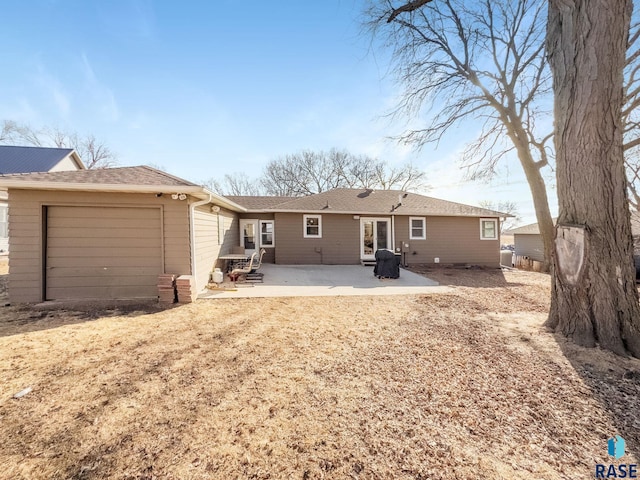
(91, 253)
(100, 262)
(110, 252)
(104, 223)
(105, 281)
(80, 242)
(59, 232)
(102, 212)
(121, 291)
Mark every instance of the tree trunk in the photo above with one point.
(540, 201)
(594, 295)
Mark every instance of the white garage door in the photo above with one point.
(102, 252)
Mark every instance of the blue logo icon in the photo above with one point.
(615, 446)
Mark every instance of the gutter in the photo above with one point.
(192, 235)
(196, 191)
(378, 214)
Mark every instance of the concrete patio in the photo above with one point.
(326, 280)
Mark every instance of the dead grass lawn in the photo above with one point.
(465, 385)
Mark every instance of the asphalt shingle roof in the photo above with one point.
(383, 202)
(257, 202)
(141, 175)
(30, 159)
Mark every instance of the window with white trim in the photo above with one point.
(4, 227)
(312, 226)
(417, 228)
(267, 233)
(488, 229)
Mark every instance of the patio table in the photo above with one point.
(231, 259)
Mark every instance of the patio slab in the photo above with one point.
(327, 280)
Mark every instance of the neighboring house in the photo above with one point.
(109, 233)
(26, 160)
(347, 226)
(528, 241)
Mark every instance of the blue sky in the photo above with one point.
(208, 88)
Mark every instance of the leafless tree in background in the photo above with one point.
(238, 183)
(93, 152)
(630, 114)
(483, 60)
(508, 207)
(310, 172)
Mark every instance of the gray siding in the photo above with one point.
(454, 240)
(28, 238)
(339, 245)
(529, 245)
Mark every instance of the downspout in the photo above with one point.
(192, 235)
(393, 233)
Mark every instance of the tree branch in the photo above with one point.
(408, 7)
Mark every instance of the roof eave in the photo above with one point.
(194, 190)
(359, 212)
(78, 161)
(220, 200)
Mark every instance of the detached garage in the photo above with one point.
(107, 234)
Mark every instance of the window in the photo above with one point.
(312, 226)
(417, 228)
(488, 229)
(266, 233)
(4, 230)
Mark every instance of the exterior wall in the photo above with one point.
(270, 252)
(66, 164)
(231, 232)
(339, 245)
(454, 240)
(214, 236)
(529, 245)
(28, 238)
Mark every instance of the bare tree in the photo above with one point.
(630, 114)
(19, 134)
(93, 152)
(6, 132)
(594, 294)
(508, 207)
(238, 183)
(309, 172)
(462, 60)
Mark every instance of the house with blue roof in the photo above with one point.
(17, 159)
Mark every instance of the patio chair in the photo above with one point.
(254, 264)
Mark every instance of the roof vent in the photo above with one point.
(400, 199)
